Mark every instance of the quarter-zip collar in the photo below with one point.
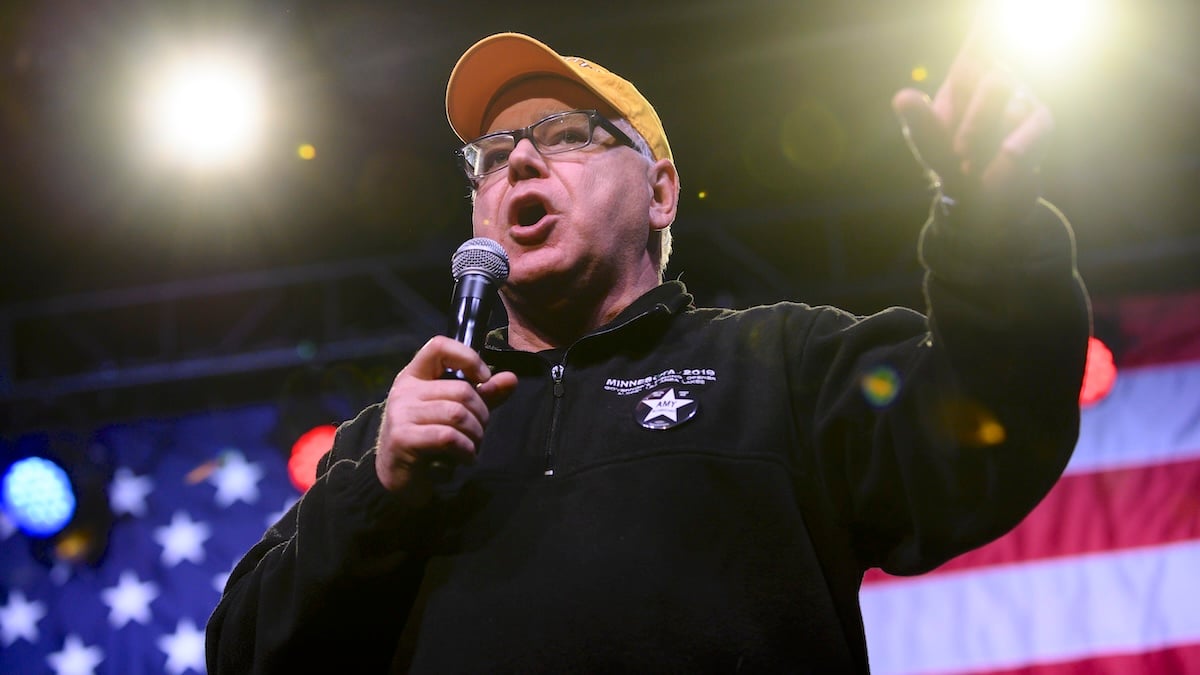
(636, 324)
(669, 298)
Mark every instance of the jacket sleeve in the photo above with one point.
(937, 434)
(332, 580)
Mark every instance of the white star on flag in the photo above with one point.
(75, 658)
(19, 619)
(128, 493)
(129, 600)
(184, 648)
(220, 580)
(183, 539)
(236, 479)
(273, 518)
(668, 406)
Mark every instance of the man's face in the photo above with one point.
(572, 222)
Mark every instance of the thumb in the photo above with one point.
(927, 138)
(498, 388)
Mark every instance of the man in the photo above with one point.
(672, 489)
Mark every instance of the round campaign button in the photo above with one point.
(665, 408)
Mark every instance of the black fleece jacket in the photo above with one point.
(799, 447)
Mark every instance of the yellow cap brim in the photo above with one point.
(495, 62)
(487, 68)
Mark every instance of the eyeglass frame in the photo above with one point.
(595, 119)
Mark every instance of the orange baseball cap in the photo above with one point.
(497, 61)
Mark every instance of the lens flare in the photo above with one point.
(972, 425)
(880, 386)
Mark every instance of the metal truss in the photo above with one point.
(240, 323)
(281, 319)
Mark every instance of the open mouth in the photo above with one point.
(529, 213)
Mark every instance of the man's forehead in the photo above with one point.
(542, 95)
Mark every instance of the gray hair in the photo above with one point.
(662, 247)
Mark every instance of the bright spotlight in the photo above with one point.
(1047, 32)
(205, 111)
(38, 496)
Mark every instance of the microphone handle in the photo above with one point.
(468, 325)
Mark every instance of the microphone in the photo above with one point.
(479, 266)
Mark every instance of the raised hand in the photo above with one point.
(983, 134)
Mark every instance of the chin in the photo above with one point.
(541, 285)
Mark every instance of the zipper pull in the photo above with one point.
(557, 374)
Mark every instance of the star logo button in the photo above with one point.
(665, 408)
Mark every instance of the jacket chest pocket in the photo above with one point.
(613, 425)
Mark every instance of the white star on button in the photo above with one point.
(668, 406)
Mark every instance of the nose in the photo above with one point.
(525, 162)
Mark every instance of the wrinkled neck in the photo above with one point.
(537, 324)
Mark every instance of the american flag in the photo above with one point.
(190, 496)
(1103, 577)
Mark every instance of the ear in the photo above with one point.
(664, 193)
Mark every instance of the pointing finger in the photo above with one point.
(974, 58)
(1022, 150)
(981, 129)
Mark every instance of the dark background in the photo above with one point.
(130, 290)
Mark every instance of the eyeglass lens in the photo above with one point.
(558, 133)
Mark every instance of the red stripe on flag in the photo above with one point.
(1150, 330)
(1172, 661)
(1094, 512)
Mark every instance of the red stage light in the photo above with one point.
(1099, 374)
(306, 452)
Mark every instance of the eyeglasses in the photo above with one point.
(558, 133)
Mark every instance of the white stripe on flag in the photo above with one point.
(1053, 610)
(1149, 417)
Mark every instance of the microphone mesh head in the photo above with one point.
(480, 256)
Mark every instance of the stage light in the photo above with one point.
(307, 452)
(313, 401)
(1047, 32)
(204, 110)
(55, 490)
(38, 496)
(1100, 373)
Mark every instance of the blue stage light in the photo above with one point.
(38, 496)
